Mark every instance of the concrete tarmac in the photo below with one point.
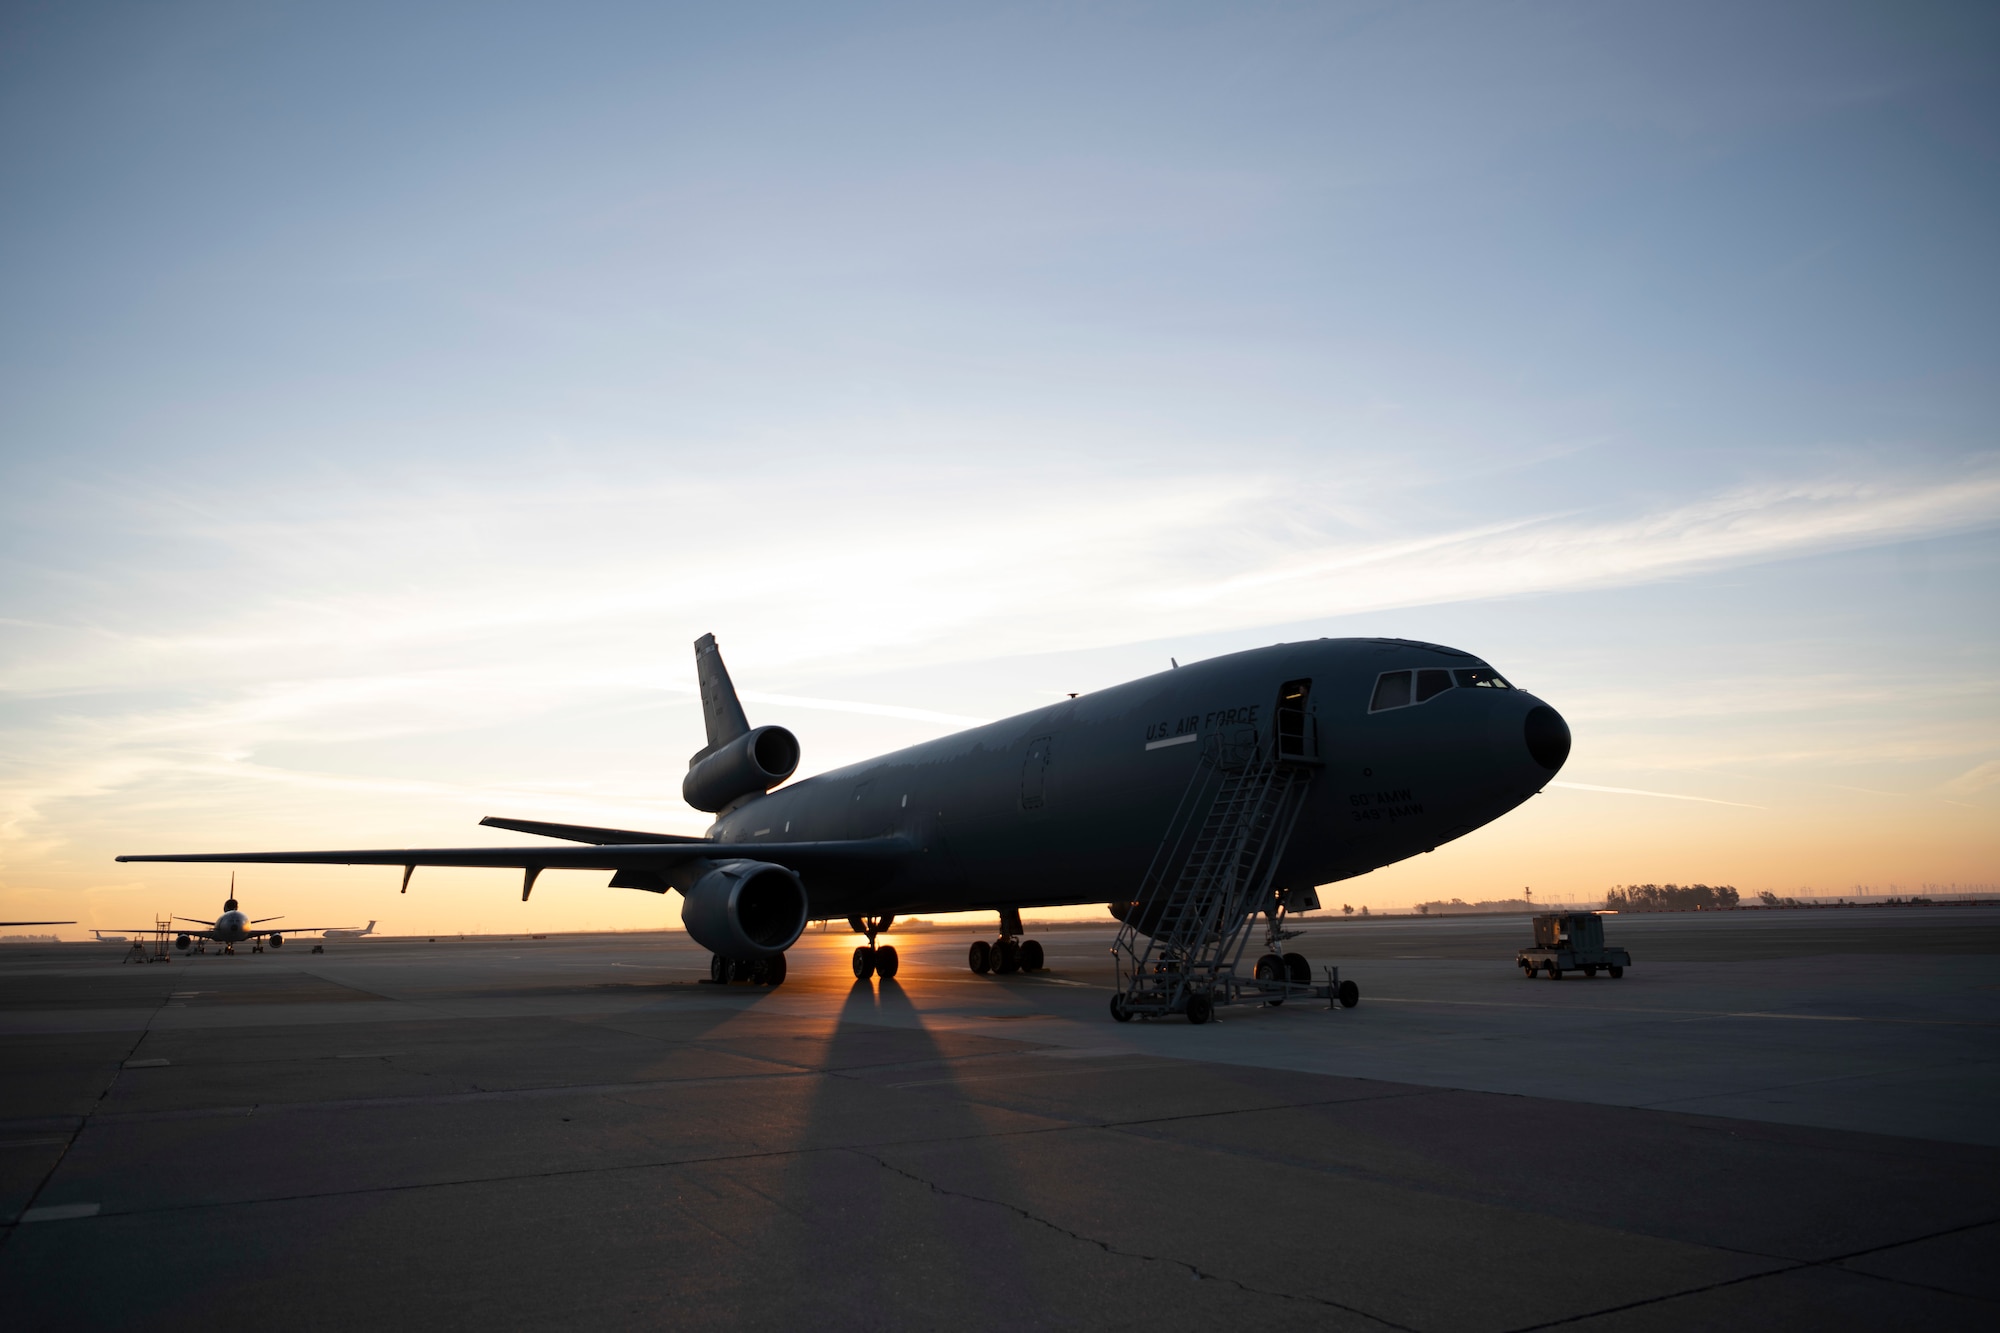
(1774, 1120)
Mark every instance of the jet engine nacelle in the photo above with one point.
(745, 909)
(758, 760)
(182, 941)
(277, 940)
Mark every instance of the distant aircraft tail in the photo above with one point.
(719, 706)
(370, 930)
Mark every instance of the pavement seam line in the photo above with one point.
(1115, 1251)
(1832, 1262)
(62, 1154)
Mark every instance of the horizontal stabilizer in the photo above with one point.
(583, 832)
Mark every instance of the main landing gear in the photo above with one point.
(870, 959)
(754, 971)
(1009, 953)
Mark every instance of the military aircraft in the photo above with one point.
(1414, 744)
(230, 929)
(348, 932)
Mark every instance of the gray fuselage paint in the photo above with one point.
(1000, 826)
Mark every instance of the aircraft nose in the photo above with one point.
(1547, 736)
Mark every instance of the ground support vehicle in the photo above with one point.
(1571, 942)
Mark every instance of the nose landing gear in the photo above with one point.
(870, 959)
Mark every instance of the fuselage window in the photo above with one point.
(1392, 690)
(1432, 683)
(1481, 678)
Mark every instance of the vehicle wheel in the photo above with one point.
(771, 971)
(1349, 993)
(1031, 955)
(1555, 973)
(1270, 968)
(1006, 956)
(1297, 970)
(980, 957)
(1528, 971)
(864, 963)
(886, 961)
(1200, 1009)
(718, 969)
(1589, 971)
(1118, 1009)
(1617, 972)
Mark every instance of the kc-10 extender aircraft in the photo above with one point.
(1416, 744)
(230, 929)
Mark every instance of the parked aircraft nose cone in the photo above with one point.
(1548, 737)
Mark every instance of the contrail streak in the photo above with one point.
(1664, 795)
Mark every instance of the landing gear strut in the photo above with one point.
(1009, 953)
(870, 959)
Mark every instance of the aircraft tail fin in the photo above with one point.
(719, 706)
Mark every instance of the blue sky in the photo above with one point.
(388, 399)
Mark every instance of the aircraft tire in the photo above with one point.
(1006, 956)
(886, 961)
(1298, 970)
(1118, 1010)
(1031, 955)
(771, 971)
(864, 963)
(980, 957)
(1270, 968)
(1350, 994)
(718, 969)
(1200, 1009)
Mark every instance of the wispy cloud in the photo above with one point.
(1663, 795)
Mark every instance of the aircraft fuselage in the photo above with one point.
(1067, 804)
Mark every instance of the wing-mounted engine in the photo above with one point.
(745, 909)
(738, 760)
(754, 762)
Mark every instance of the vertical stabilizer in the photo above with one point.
(719, 706)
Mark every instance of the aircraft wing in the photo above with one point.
(37, 923)
(804, 857)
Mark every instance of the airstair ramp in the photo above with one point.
(1180, 949)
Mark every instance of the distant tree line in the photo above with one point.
(1670, 898)
(1458, 905)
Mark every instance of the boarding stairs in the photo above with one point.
(1180, 949)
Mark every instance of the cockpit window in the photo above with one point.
(1481, 678)
(1431, 684)
(1392, 690)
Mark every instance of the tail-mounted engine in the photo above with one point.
(745, 909)
(756, 761)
